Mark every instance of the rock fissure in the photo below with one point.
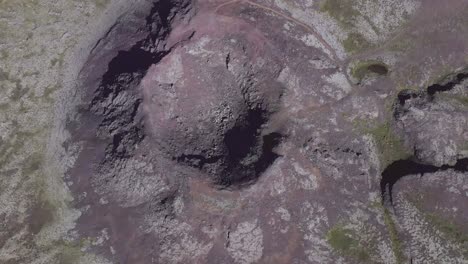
(428, 94)
(416, 113)
(406, 167)
(437, 88)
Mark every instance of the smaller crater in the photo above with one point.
(370, 68)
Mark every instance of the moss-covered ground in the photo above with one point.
(345, 242)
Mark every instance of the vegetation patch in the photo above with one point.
(459, 99)
(41, 214)
(13, 146)
(341, 10)
(71, 252)
(449, 229)
(364, 69)
(401, 44)
(4, 76)
(59, 60)
(22, 147)
(465, 145)
(444, 75)
(397, 246)
(355, 42)
(4, 54)
(346, 14)
(32, 164)
(69, 256)
(462, 99)
(343, 241)
(101, 3)
(401, 87)
(391, 148)
(49, 91)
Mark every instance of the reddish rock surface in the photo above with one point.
(237, 132)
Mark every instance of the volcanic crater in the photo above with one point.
(202, 124)
(186, 97)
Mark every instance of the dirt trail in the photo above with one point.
(308, 28)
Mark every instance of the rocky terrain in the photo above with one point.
(241, 131)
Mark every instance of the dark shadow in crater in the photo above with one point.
(250, 152)
(121, 122)
(242, 138)
(270, 142)
(132, 61)
(163, 9)
(378, 69)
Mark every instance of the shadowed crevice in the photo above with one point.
(401, 168)
(249, 152)
(436, 88)
(270, 142)
(241, 139)
(427, 95)
(197, 161)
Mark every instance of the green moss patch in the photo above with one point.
(49, 91)
(341, 10)
(4, 54)
(13, 146)
(462, 99)
(450, 230)
(346, 14)
(69, 256)
(71, 252)
(458, 99)
(101, 3)
(343, 241)
(465, 145)
(32, 164)
(41, 214)
(355, 42)
(389, 145)
(397, 246)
